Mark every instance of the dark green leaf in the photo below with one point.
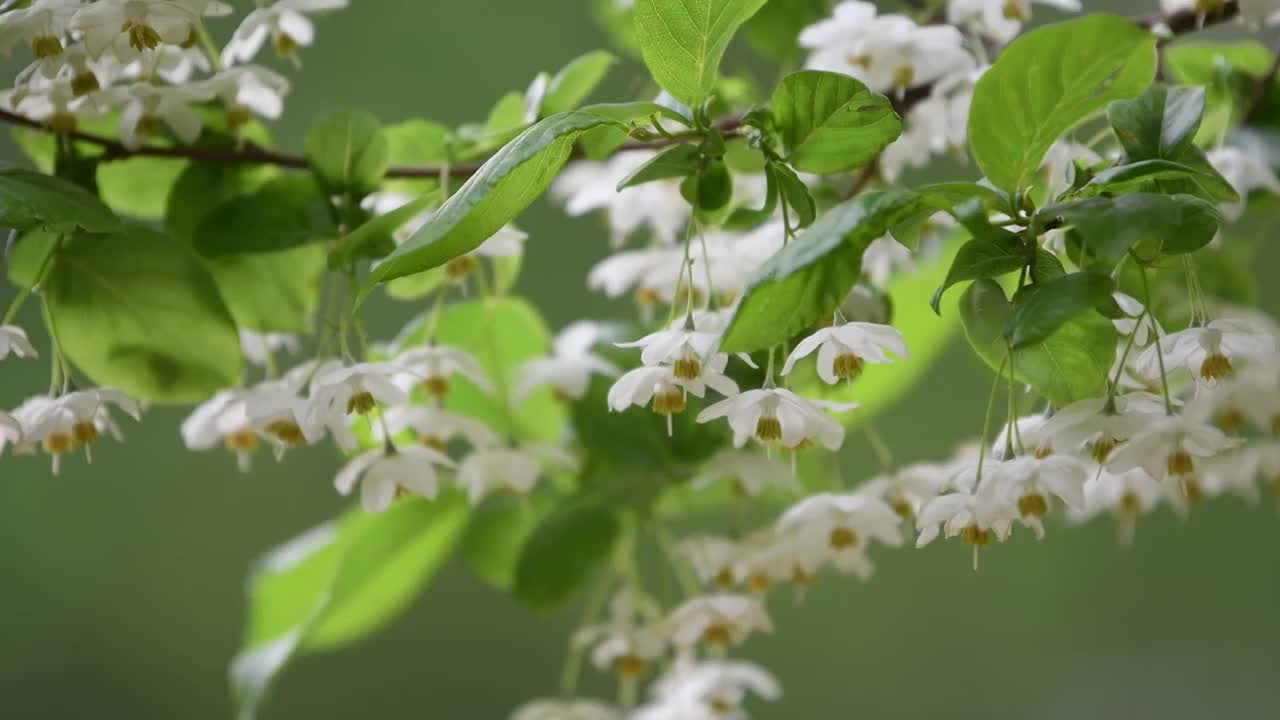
(348, 152)
(562, 554)
(1158, 124)
(1109, 228)
(747, 218)
(574, 84)
(683, 41)
(1039, 310)
(675, 162)
(796, 195)
(285, 213)
(30, 200)
(1047, 81)
(496, 535)
(711, 189)
(812, 275)
(373, 237)
(995, 253)
(1129, 177)
(830, 122)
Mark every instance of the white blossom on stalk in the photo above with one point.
(660, 384)
(777, 415)
(1246, 172)
(59, 425)
(713, 559)
(1250, 396)
(1210, 352)
(433, 367)
(1032, 481)
(55, 103)
(507, 242)
(387, 473)
(147, 108)
(909, 488)
(843, 522)
(1097, 427)
(1138, 323)
(1000, 20)
(279, 414)
(751, 472)
(127, 28)
(1238, 471)
(1169, 449)
(566, 710)
(258, 348)
(979, 516)
(708, 690)
(717, 621)
(222, 420)
(514, 470)
(796, 559)
(171, 63)
(435, 427)
(844, 349)
(684, 348)
(623, 644)
(285, 22)
(589, 186)
(636, 271)
(339, 391)
(247, 91)
(42, 26)
(569, 369)
(1126, 496)
(13, 341)
(883, 258)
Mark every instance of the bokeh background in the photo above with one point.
(121, 583)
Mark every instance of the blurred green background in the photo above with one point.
(121, 583)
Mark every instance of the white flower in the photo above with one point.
(1127, 496)
(1169, 449)
(56, 104)
(10, 431)
(977, 517)
(435, 427)
(42, 25)
(339, 391)
(279, 414)
(1091, 424)
(667, 391)
(76, 419)
(1138, 322)
(566, 710)
(434, 366)
(1246, 172)
(507, 242)
(515, 470)
(636, 270)
(883, 258)
(1031, 481)
(843, 522)
(258, 348)
(713, 559)
(909, 488)
(284, 21)
(843, 349)
(717, 620)
(147, 106)
(174, 64)
(222, 420)
(622, 645)
(684, 348)
(779, 415)
(1251, 396)
(13, 340)
(589, 186)
(752, 473)
(570, 367)
(1210, 352)
(387, 473)
(1000, 20)
(126, 28)
(247, 91)
(709, 690)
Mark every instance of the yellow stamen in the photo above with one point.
(976, 536)
(843, 539)
(847, 366)
(287, 432)
(717, 634)
(84, 432)
(1180, 463)
(460, 267)
(668, 402)
(904, 76)
(361, 403)
(240, 441)
(1033, 505)
(46, 46)
(759, 583)
(686, 368)
(630, 666)
(284, 44)
(768, 428)
(84, 83)
(1216, 367)
(58, 443)
(141, 36)
(435, 386)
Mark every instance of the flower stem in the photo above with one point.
(1155, 329)
(878, 446)
(986, 422)
(591, 610)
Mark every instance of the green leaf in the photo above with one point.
(796, 195)
(1132, 176)
(1072, 364)
(374, 236)
(284, 213)
(813, 274)
(773, 30)
(748, 218)
(348, 152)
(576, 81)
(992, 254)
(496, 536)
(1039, 310)
(1159, 123)
(417, 142)
(339, 583)
(507, 184)
(830, 122)
(1046, 82)
(138, 311)
(30, 200)
(562, 554)
(711, 189)
(678, 161)
(683, 41)
(947, 196)
(1109, 227)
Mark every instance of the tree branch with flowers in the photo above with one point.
(789, 278)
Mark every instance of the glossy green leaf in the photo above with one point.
(348, 152)
(683, 41)
(711, 189)
(339, 583)
(417, 142)
(1109, 228)
(374, 237)
(1132, 176)
(576, 81)
(1159, 123)
(830, 122)
(1072, 364)
(30, 200)
(1040, 309)
(993, 254)
(813, 274)
(796, 195)
(678, 161)
(947, 196)
(563, 553)
(1046, 82)
(138, 311)
(284, 213)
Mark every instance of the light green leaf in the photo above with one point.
(1159, 123)
(507, 184)
(137, 310)
(796, 195)
(416, 142)
(348, 152)
(496, 536)
(576, 81)
(30, 200)
(683, 41)
(1040, 309)
(1046, 82)
(563, 553)
(284, 213)
(830, 122)
(374, 237)
(812, 275)
(1072, 364)
(339, 583)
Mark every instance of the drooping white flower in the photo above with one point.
(13, 341)
(258, 348)
(247, 91)
(751, 472)
(386, 473)
(43, 26)
(909, 488)
(435, 427)
(1246, 172)
(515, 470)
(1092, 425)
(127, 28)
(339, 391)
(777, 415)
(222, 420)
(660, 384)
(570, 367)
(589, 186)
(1210, 352)
(713, 559)
(1031, 481)
(1169, 449)
(10, 431)
(507, 242)
(1126, 496)
(979, 516)
(433, 367)
(708, 690)
(843, 349)
(684, 348)
(623, 645)
(884, 257)
(566, 710)
(1249, 396)
(716, 620)
(1138, 322)
(279, 414)
(56, 104)
(146, 107)
(1000, 20)
(843, 522)
(60, 425)
(285, 22)
(173, 64)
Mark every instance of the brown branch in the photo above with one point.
(249, 154)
